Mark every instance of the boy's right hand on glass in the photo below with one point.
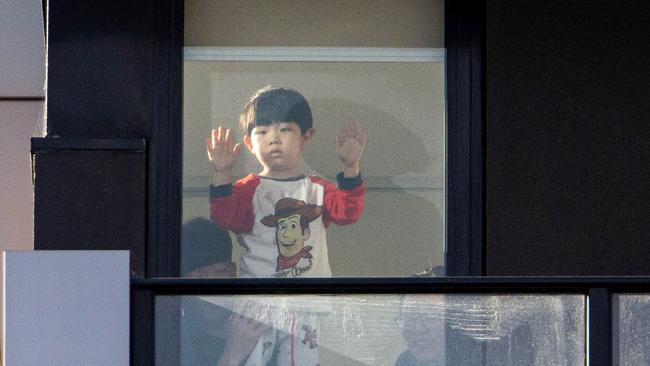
(221, 151)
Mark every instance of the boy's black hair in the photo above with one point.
(276, 104)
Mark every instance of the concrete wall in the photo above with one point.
(22, 75)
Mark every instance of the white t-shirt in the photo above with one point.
(263, 212)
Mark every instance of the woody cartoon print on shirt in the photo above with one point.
(291, 221)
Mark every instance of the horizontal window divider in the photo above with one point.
(315, 54)
(197, 185)
(30, 98)
(42, 144)
(390, 285)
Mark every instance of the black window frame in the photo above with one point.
(464, 43)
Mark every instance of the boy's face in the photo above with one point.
(278, 147)
(290, 236)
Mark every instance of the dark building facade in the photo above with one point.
(549, 102)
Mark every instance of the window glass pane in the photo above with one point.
(390, 330)
(382, 67)
(631, 314)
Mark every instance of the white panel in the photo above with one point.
(22, 48)
(66, 308)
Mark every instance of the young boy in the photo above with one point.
(280, 215)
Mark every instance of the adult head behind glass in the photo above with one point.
(422, 320)
(212, 334)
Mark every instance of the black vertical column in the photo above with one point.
(464, 33)
(600, 327)
(165, 150)
(107, 174)
(100, 69)
(90, 169)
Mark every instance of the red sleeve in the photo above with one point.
(341, 206)
(231, 207)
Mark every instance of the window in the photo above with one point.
(456, 329)
(380, 63)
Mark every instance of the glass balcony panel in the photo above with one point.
(427, 329)
(631, 329)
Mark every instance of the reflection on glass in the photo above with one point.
(388, 330)
(401, 107)
(631, 329)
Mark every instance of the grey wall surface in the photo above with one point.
(22, 76)
(568, 114)
(22, 63)
(66, 308)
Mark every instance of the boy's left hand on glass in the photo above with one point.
(349, 147)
